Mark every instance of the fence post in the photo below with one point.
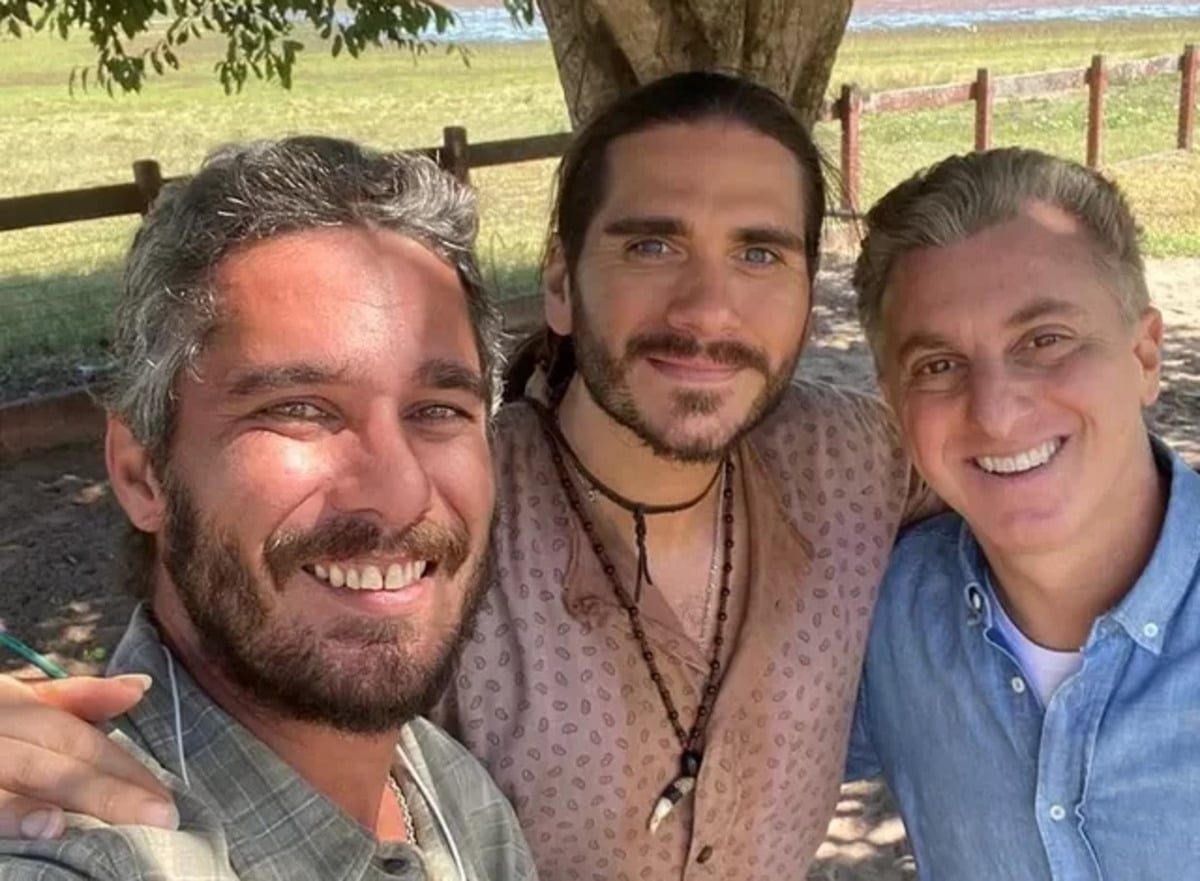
(1097, 79)
(850, 111)
(453, 157)
(983, 109)
(147, 177)
(1187, 97)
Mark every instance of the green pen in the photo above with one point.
(14, 645)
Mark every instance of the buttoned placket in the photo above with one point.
(1061, 735)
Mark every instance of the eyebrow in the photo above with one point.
(645, 226)
(278, 377)
(438, 373)
(779, 236)
(1044, 307)
(450, 375)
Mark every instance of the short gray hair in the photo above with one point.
(963, 195)
(169, 305)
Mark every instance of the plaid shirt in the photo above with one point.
(245, 814)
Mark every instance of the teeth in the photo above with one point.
(1021, 462)
(371, 579)
(398, 576)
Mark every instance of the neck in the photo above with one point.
(1054, 597)
(624, 463)
(350, 770)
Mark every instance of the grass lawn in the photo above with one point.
(56, 283)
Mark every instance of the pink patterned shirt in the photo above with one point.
(554, 697)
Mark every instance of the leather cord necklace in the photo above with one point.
(690, 740)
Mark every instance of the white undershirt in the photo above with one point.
(1046, 669)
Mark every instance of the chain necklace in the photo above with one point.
(410, 829)
(690, 740)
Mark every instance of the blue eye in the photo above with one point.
(760, 256)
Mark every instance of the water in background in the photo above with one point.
(494, 25)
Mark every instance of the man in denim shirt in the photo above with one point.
(1032, 683)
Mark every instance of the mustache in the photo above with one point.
(348, 536)
(677, 345)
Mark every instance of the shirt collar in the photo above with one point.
(1147, 610)
(214, 764)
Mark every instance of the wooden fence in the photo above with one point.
(457, 155)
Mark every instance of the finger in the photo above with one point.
(61, 735)
(40, 775)
(93, 698)
(25, 818)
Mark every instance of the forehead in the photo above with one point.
(707, 166)
(350, 295)
(1041, 253)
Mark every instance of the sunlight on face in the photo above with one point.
(1017, 382)
(331, 479)
(691, 295)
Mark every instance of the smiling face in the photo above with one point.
(325, 513)
(691, 294)
(1017, 381)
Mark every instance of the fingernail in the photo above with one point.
(161, 814)
(140, 680)
(43, 823)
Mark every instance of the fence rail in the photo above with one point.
(458, 155)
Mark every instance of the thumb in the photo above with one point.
(94, 699)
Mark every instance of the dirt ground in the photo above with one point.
(59, 529)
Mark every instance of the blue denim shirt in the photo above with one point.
(1103, 782)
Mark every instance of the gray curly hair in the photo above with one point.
(169, 305)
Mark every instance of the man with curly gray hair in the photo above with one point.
(299, 435)
(1034, 661)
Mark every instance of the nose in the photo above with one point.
(704, 304)
(383, 477)
(998, 400)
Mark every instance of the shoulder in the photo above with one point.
(90, 849)
(823, 442)
(925, 576)
(515, 427)
(816, 417)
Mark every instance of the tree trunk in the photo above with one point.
(606, 47)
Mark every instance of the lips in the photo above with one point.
(694, 370)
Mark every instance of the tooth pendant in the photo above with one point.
(677, 790)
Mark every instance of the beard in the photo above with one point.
(358, 675)
(606, 377)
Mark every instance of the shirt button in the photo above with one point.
(399, 866)
(1151, 630)
(975, 598)
(705, 854)
(1018, 684)
(1057, 813)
